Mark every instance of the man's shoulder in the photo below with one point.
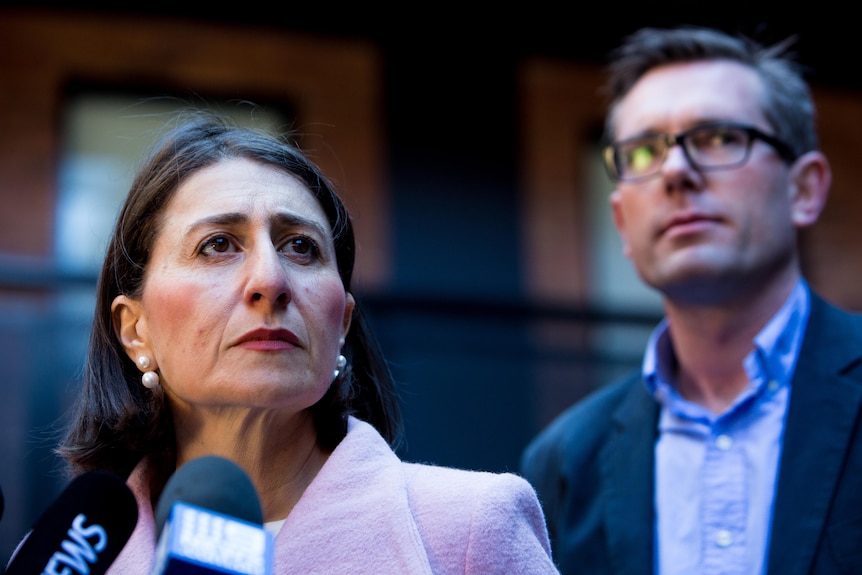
(584, 424)
(594, 409)
(832, 328)
(827, 314)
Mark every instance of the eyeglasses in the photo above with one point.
(706, 147)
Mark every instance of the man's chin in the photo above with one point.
(700, 283)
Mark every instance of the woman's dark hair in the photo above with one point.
(116, 420)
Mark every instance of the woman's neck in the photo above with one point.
(279, 453)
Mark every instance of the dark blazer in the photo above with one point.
(593, 467)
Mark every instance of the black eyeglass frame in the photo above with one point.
(609, 153)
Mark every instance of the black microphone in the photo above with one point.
(82, 532)
(210, 521)
(2, 503)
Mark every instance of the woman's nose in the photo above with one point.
(267, 280)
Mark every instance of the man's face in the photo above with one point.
(703, 234)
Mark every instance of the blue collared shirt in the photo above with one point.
(715, 474)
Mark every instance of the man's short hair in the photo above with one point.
(787, 102)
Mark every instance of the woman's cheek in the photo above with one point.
(181, 316)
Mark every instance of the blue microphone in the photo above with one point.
(211, 522)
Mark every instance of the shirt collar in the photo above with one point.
(772, 361)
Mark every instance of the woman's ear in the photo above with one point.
(811, 177)
(350, 304)
(130, 327)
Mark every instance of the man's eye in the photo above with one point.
(722, 138)
(641, 157)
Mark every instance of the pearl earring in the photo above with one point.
(340, 364)
(150, 379)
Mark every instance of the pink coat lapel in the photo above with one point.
(355, 514)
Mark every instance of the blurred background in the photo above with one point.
(463, 139)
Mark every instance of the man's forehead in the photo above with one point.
(674, 97)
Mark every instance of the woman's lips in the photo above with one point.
(268, 340)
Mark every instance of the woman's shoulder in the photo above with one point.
(450, 483)
(472, 496)
(490, 520)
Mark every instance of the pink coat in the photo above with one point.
(369, 512)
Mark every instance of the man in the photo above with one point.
(736, 449)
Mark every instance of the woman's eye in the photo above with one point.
(302, 246)
(218, 244)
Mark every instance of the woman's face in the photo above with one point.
(242, 303)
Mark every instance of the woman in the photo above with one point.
(225, 326)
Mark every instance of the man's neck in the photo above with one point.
(710, 344)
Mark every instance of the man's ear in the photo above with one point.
(131, 327)
(620, 222)
(811, 176)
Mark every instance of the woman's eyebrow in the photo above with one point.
(285, 220)
(290, 220)
(226, 219)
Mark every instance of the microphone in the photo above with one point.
(82, 532)
(210, 521)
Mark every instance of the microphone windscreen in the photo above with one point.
(210, 521)
(214, 483)
(82, 531)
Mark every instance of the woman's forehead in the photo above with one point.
(243, 186)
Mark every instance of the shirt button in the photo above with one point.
(723, 442)
(772, 385)
(724, 538)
